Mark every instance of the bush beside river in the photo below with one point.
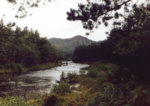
(103, 85)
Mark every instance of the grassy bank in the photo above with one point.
(18, 68)
(20, 101)
(30, 99)
(45, 66)
(105, 84)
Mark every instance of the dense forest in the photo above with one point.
(24, 48)
(127, 45)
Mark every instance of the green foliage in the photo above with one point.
(111, 95)
(13, 101)
(72, 78)
(127, 45)
(21, 101)
(62, 88)
(83, 72)
(103, 90)
(62, 76)
(18, 68)
(93, 73)
(111, 92)
(94, 12)
(24, 48)
(44, 66)
(88, 81)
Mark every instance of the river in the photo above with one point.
(39, 81)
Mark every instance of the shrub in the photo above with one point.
(51, 101)
(92, 73)
(83, 72)
(88, 82)
(62, 88)
(72, 78)
(19, 68)
(13, 101)
(62, 76)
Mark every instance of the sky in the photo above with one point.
(50, 20)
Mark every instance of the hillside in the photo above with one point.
(67, 46)
(71, 43)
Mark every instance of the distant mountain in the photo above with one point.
(69, 45)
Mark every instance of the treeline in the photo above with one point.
(24, 47)
(127, 45)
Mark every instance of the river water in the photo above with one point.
(39, 81)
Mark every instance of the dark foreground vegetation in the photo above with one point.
(101, 86)
(22, 50)
(128, 46)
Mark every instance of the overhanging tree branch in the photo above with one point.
(92, 14)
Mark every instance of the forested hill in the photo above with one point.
(71, 43)
(67, 46)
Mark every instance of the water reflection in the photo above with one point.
(38, 81)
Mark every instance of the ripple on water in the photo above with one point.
(40, 81)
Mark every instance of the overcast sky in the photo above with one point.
(50, 20)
